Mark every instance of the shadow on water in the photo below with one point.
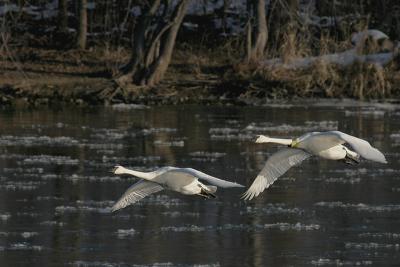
(56, 188)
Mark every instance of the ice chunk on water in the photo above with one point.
(372, 246)
(4, 216)
(86, 206)
(229, 134)
(370, 112)
(122, 233)
(176, 143)
(20, 185)
(308, 126)
(380, 235)
(273, 208)
(50, 160)
(188, 228)
(27, 235)
(177, 214)
(204, 156)
(76, 178)
(162, 200)
(82, 263)
(296, 227)
(122, 106)
(360, 206)
(109, 134)
(52, 223)
(343, 180)
(340, 262)
(157, 130)
(9, 140)
(25, 246)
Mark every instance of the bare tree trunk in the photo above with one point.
(82, 29)
(160, 67)
(131, 69)
(62, 16)
(258, 48)
(226, 6)
(153, 46)
(248, 40)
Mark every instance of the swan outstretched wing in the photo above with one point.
(361, 146)
(276, 165)
(211, 179)
(136, 192)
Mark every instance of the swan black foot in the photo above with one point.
(206, 194)
(351, 160)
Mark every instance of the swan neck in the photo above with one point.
(286, 142)
(143, 175)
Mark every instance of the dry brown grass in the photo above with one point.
(359, 80)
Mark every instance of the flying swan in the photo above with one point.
(182, 180)
(327, 145)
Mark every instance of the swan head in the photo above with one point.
(262, 139)
(118, 170)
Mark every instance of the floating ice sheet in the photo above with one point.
(340, 262)
(49, 160)
(277, 208)
(360, 206)
(124, 107)
(124, 233)
(86, 206)
(9, 140)
(371, 246)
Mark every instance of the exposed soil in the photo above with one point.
(37, 76)
(32, 76)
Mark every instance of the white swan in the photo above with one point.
(182, 180)
(328, 145)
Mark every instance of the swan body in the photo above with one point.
(182, 180)
(327, 145)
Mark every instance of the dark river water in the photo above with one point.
(56, 188)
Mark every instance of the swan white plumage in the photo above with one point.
(328, 145)
(182, 180)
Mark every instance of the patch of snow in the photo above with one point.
(136, 11)
(91, 5)
(6, 8)
(372, 33)
(343, 59)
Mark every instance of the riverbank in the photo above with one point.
(41, 77)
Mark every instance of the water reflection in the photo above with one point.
(56, 188)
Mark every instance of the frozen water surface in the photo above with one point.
(56, 188)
